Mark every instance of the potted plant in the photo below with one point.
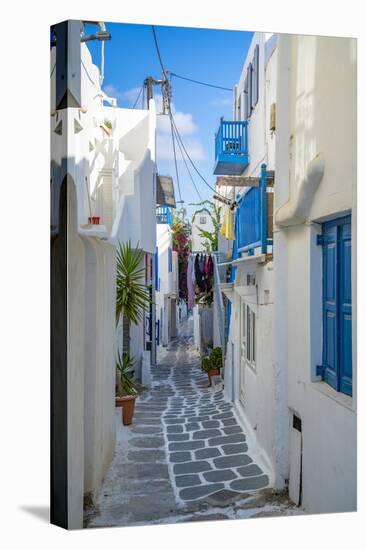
(133, 298)
(211, 364)
(128, 391)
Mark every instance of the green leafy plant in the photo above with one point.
(205, 363)
(212, 361)
(124, 367)
(216, 358)
(210, 239)
(133, 296)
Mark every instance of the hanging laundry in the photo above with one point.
(227, 228)
(202, 282)
(209, 273)
(190, 282)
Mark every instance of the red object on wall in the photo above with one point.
(94, 220)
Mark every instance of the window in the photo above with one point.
(250, 88)
(203, 220)
(170, 260)
(246, 106)
(251, 85)
(248, 334)
(157, 269)
(336, 369)
(255, 77)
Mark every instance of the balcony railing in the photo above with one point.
(231, 148)
(164, 215)
(254, 218)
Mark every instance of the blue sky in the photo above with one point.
(213, 56)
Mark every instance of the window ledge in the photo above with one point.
(341, 398)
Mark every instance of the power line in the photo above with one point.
(192, 163)
(172, 123)
(188, 170)
(201, 83)
(175, 158)
(138, 97)
(158, 51)
(169, 109)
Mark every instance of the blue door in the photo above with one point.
(337, 305)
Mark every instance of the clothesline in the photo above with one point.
(199, 275)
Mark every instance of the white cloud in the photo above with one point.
(186, 128)
(127, 97)
(164, 148)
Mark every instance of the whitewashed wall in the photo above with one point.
(113, 173)
(316, 118)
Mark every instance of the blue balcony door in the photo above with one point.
(337, 305)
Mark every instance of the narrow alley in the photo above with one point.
(185, 457)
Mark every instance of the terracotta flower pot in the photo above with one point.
(119, 401)
(212, 372)
(128, 407)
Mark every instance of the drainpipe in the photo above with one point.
(295, 211)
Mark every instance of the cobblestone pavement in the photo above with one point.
(185, 457)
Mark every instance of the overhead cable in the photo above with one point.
(201, 83)
(192, 163)
(188, 170)
(138, 97)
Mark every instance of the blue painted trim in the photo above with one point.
(157, 268)
(263, 188)
(164, 215)
(170, 260)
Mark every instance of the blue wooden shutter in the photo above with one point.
(157, 269)
(255, 78)
(337, 305)
(330, 307)
(246, 104)
(170, 260)
(345, 310)
(249, 74)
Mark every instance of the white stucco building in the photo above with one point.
(247, 143)
(291, 343)
(202, 221)
(167, 290)
(315, 266)
(103, 192)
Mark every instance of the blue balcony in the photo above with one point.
(254, 219)
(164, 215)
(231, 148)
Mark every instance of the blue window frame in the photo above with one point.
(157, 268)
(170, 260)
(337, 304)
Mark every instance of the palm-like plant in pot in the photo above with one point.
(124, 367)
(132, 299)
